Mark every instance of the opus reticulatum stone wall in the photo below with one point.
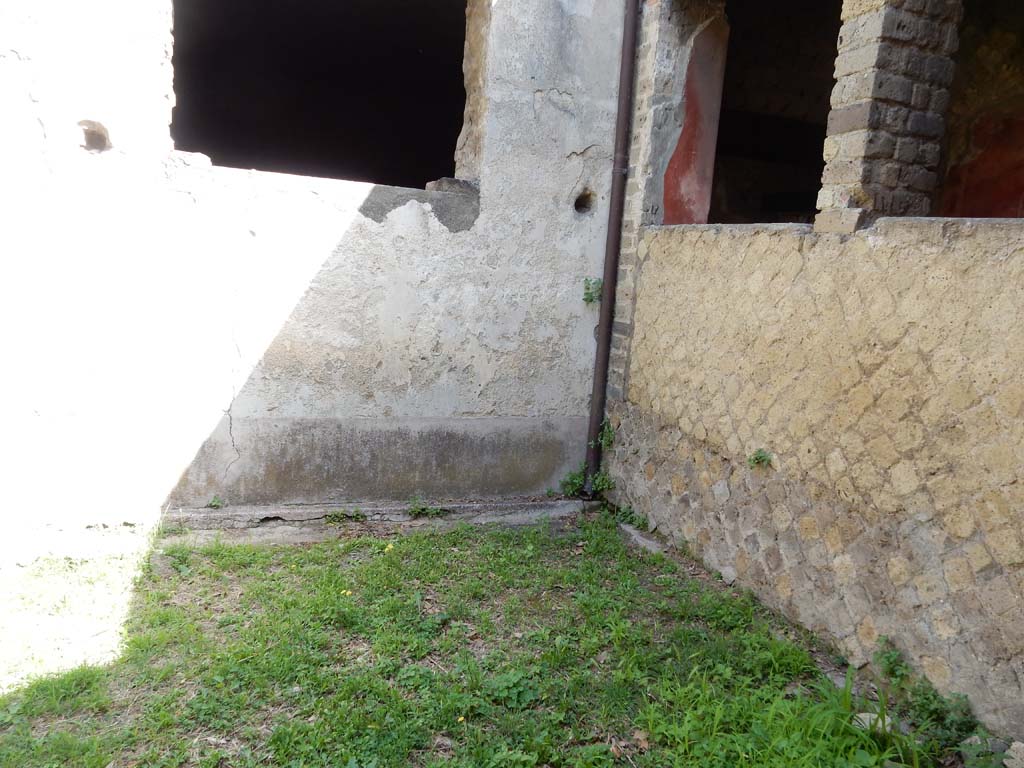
(885, 373)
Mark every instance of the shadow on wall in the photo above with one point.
(132, 315)
(388, 378)
(382, 371)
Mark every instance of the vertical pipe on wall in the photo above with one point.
(620, 174)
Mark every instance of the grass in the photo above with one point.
(480, 648)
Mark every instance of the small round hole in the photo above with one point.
(585, 202)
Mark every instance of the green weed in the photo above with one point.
(627, 515)
(574, 485)
(759, 458)
(465, 648)
(342, 516)
(606, 437)
(941, 722)
(592, 289)
(418, 509)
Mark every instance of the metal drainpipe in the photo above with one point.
(620, 173)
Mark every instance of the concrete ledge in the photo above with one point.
(638, 539)
(322, 522)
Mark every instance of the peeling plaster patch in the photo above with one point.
(457, 211)
(563, 101)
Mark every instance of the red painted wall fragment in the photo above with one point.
(691, 171)
(989, 183)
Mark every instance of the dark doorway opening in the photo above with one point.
(368, 90)
(775, 106)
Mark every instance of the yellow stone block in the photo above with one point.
(1006, 546)
(845, 569)
(899, 570)
(959, 574)
(959, 523)
(977, 556)
(808, 529)
(904, 478)
(867, 633)
(938, 671)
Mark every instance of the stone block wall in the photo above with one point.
(893, 75)
(885, 373)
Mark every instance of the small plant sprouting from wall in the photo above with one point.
(216, 503)
(601, 482)
(592, 289)
(759, 459)
(606, 437)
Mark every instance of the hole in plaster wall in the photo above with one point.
(585, 201)
(96, 137)
(775, 106)
(367, 90)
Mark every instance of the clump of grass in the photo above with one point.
(627, 515)
(216, 503)
(342, 516)
(466, 648)
(759, 458)
(941, 722)
(574, 485)
(418, 508)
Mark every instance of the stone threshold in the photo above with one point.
(308, 524)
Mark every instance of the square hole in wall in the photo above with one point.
(367, 90)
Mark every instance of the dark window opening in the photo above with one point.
(367, 90)
(984, 154)
(775, 105)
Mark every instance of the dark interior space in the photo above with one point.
(775, 107)
(368, 90)
(984, 151)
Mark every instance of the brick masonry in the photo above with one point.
(893, 74)
(885, 373)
